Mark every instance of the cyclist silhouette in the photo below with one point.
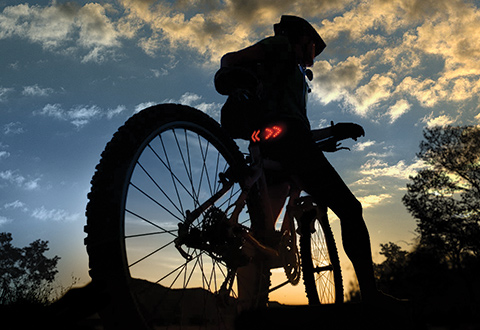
(266, 82)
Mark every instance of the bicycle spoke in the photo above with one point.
(204, 152)
(173, 176)
(192, 194)
(156, 202)
(149, 234)
(188, 169)
(172, 232)
(159, 188)
(150, 254)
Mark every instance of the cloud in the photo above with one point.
(361, 146)
(114, 112)
(79, 115)
(41, 213)
(195, 101)
(386, 151)
(16, 205)
(442, 120)
(4, 220)
(49, 26)
(335, 82)
(52, 110)
(373, 200)
(425, 51)
(35, 90)
(96, 29)
(54, 215)
(451, 35)
(349, 82)
(4, 154)
(212, 109)
(4, 91)
(398, 109)
(211, 28)
(189, 98)
(375, 168)
(65, 28)
(144, 105)
(205, 32)
(426, 91)
(159, 72)
(12, 177)
(368, 96)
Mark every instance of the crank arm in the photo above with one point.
(268, 251)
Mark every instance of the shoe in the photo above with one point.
(380, 297)
(389, 312)
(386, 302)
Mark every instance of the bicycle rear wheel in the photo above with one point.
(320, 263)
(164, 162)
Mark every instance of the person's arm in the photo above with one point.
(252, 54)
(322, 133)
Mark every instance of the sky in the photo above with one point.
(72, 72)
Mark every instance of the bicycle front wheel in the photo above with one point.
(320, 263)
(164, 163)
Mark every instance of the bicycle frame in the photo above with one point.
(270, 214)
(265, 212)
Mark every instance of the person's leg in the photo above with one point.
(326, 186)
(300, 155)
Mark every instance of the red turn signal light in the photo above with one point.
(268, 133)
(256, 136)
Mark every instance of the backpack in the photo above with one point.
(242, 112)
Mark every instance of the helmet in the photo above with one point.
(295, 27)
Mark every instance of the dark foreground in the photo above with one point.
(72, 314)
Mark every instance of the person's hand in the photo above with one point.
(342, 131)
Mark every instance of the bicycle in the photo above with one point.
(180, 229)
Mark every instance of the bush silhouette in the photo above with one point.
(26, 274)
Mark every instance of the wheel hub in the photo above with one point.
(217, 237)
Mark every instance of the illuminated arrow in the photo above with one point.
(272, 132)
(255, 137)
(277, 130)
(268, 133)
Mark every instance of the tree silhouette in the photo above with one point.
(26, 274)
(445, 196)
(441, 273)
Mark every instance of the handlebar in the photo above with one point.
(327, 139)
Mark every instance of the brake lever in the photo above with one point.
(330, 147)
(337, 147)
